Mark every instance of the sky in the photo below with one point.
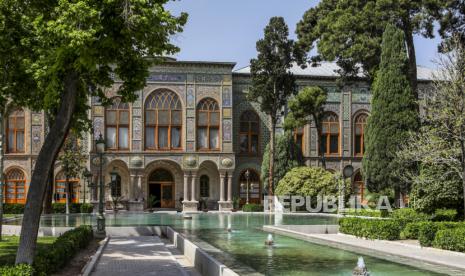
(227, 30)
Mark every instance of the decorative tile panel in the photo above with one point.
(137, 145)
(227, 112)
(98, 126)
(190, 146)
(227, 147)
(190, 129)
(138, 101)
(36, 138)
(160, 77)
(207, 78)
(98, 110)
(227, 97)
(36, 119)
(190, 113)
(227, 130)
(361, 95)
(190, 97)
(137, 112)
(346, 106)
(137, 128)
(208, 91)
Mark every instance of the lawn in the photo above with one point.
(9, 215)
(9, 244)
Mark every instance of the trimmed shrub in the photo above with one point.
(410, 231)
(17, 270)
(427, 230)
(12, 208)
(60, 208)
(55, 256)
(252, 208)
(445, 215)
(87, 208)
(408, 215)
(381, 229)
(450, 239)
(363, 213)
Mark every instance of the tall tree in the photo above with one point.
(288, 156)
(272, 81)
(307, 105)
(60, 53)
(452, 22)
(72, 160)
(350, 32)
(393, 115)
(439, 145)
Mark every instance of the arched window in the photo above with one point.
(359, 134)
(163, 121)
(208, 125)
(358, 187)
(15, 191)
(60, 188)
(115, 187)
(117, 125)
(15, 131)
(249, 131)
(252, 180)
(329, 142)
(299, 138)
(204, 186)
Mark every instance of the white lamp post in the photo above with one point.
(100, 147)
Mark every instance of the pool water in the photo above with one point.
(243, 249)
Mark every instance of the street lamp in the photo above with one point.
(100, 147)
(247, 176)
(113, 178)
(88, 178)
(347, 172)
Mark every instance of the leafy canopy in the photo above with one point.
(307, 104)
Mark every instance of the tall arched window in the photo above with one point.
(163, 121)
(252, 180)
(358, 187)
(117, 125)
(359, 134)
(208, 125)
(15, 191)
(60, 188)
(329, 142)
(204, 186)
(15, 131)
(249, 131)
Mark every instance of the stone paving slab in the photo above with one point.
(137, 256)
(449, 262)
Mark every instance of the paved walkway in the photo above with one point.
(444, 261)
(137, 256)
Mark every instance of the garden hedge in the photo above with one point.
(87, 208)
(55, 256)
(17, 270)
(410, 231)
(427, 230)
(57, 208)
(382, 229)
(445, 215)
(252, 208)
(11, 208)
(450, 239)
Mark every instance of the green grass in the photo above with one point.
(9, 215)
(9, 245)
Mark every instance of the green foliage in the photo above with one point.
(363, 213)
(288, 155)
(450, 239)
(309, 181)
(445, 215)
(394, 114)
(408, 215)
(427, 230)
(9, 246)
(60, 208)
(86, 208)
(382, 229)
(411, 231)
(307, 104)
(56, 256)
(17, 270)
(252, 208)
(13, 208)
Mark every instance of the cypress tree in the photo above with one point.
(394, 113)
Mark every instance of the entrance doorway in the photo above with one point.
(161, 189)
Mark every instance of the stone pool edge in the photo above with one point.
(323, 239)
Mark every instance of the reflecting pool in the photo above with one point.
(243, 248)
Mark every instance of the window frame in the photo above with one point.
(15, 199)
(14, 114)
(300, 132)
(118, 107)
(60, 178)
(211, 105)
(328, 135)
(152, 105)
(258, 181)
(246, 118)
(361, 139)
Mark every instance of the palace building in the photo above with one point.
(191, 136)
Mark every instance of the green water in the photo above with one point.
(243, 249)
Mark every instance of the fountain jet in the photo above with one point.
(269, 240)
(360, 269)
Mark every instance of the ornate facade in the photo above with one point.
(190, 137)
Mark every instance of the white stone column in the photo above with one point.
(222, 180)
(186, 186)
(132, 185)
(194, 179)
(230, 176)
(139, 187)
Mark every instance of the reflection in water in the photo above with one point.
(244, 246)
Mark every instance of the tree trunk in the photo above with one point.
(67, 193)
(271, 159)
(318, 144)
(47, 156)
(412, 60)
(1, 174)
(49, 193)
